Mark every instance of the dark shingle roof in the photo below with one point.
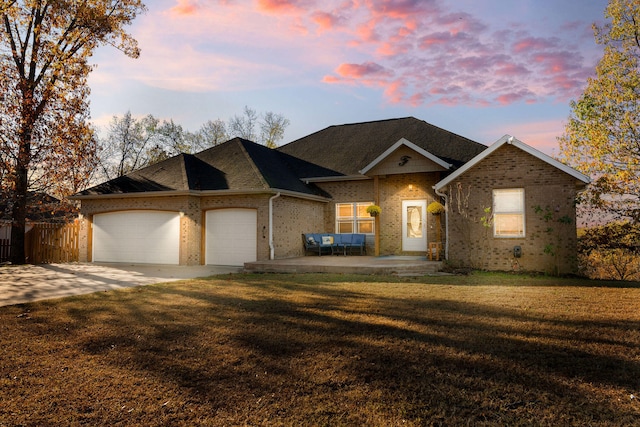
(348, 148)
(237, 164)
(244, 166)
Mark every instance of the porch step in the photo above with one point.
(347, 265)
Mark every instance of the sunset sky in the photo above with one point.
(479, 68)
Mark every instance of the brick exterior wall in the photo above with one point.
(291, 218)
(473, 245)
(259, 202)
(190, 222)
(346, 192)
(393, 189)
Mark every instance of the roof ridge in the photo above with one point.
(256, 170)
(185, 170)
(375, 121)
(345, 125)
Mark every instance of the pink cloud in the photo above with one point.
(185, 7)
(367, 32)
(394, 91)
(283, 6)
(439, 38)
(443, 56)
(325, 21)
(533, 44)
(445, 90)
(331, 80)
(417, 99)
(510, 98)
(461, 23)
(553, 63)
(367, 69)
(513, 70)
(542, 135)
(401, 9)
(389, 49)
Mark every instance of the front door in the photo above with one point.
(414, 221)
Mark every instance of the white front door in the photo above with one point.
(414, 221)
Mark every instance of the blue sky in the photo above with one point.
(480, 69)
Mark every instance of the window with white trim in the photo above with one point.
(354, 218)
(508, 212)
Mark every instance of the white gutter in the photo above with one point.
(198, 193)
(446, 222)
(271, 248)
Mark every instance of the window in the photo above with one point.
(508, 212)
(353, 218)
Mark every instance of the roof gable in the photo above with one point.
(508, 139)
(397, 146)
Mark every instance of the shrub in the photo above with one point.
(610, 251)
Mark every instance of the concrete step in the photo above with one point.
(347, 265)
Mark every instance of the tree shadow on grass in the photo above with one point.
(261, 352)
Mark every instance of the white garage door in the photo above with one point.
(231, 236)
(137, 236)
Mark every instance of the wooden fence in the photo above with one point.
(47, 243)
(5, 250)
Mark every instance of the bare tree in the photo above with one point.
(244, 126)
(212, 133)
(272, 127)
(126, 145)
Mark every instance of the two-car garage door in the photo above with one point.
(154, 237)
(137, 236)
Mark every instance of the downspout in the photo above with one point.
(446, 222)
(271, 248)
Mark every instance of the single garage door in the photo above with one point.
(231, 236)
(151, 237)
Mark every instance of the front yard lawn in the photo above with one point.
(484, 349)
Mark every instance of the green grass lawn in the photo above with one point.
(484, 349)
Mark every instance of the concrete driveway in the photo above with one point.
(27, 283)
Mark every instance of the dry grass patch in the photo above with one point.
(485, 349)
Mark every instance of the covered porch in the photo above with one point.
(384, 265)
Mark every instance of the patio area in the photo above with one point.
(387, 265)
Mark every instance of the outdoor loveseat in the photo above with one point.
(333, 243)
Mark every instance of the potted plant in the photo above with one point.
(435, 208)
(374, 210)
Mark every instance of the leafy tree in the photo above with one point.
(602, 136)
(610, 251)
(44, 50)
(613, 235)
